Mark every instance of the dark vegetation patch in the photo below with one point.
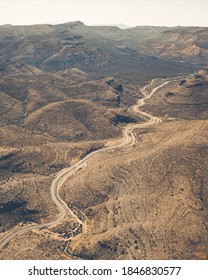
(91, 149)
(5, 157)
(169, 94)
(113, 83)
(11, 206)
(14, 212)
(198, 84)
(182, 82)
(122, 119)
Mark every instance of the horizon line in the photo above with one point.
(100, 25)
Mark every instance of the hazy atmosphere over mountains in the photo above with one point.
(103, 135)
(98, 12)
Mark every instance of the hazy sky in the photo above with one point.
(92, 12)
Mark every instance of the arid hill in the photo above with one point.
(183, 43)
(188, 99)
(66, 92)
(104, 50)
(48, 121)
(150, 201)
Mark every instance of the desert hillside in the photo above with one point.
(103, 142)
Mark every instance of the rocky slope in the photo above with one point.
(65, 92)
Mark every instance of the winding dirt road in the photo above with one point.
(128, 140)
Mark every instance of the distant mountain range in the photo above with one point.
(119, 25)
(100, 49)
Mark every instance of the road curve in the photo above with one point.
(128, 140)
